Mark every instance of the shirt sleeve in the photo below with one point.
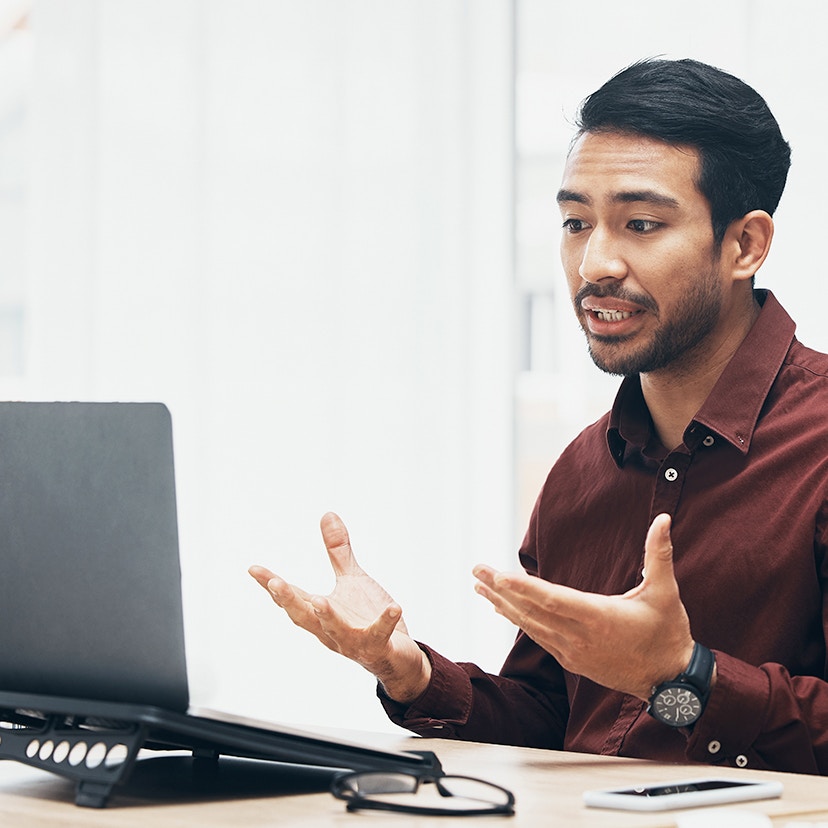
(464, 702)
(764, 718)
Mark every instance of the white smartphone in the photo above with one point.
(685, 793)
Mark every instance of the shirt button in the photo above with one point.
(671, 475)
(715, 746)
(741, 760)
(709, 440)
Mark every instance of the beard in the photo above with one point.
(674, 340)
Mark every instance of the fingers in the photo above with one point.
(261, 574)
(280, 591)
(358, 618)
(338, 544)
(537, 607)
(525, 592)
(339, 628)
(275, 586)
(292, 599)
(318, 615)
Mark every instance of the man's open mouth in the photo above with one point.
(614, 315)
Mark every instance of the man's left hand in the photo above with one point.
(628, 642)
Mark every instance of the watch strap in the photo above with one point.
(699, 671)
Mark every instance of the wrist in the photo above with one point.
(681, 701)
(407, 685)
(679, 664)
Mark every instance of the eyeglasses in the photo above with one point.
(461, 795)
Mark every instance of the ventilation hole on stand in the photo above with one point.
(117, 756)
(96, 755)
(77, 754)
(32, 748)
(61, 751)
(46, 750)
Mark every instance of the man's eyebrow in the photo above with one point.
(571, 195)
(622, 197)
(647, 196)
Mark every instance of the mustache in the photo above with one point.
(614, 291)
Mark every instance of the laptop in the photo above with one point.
(92, 655)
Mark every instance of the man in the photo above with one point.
(713, 461)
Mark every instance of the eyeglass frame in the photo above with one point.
(354, 801)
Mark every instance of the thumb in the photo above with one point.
(658, 550)
(338, 544)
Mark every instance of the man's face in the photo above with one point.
(639, 253)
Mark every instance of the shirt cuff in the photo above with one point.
(443, 706)
(735, 713)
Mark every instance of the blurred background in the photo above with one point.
(323, 232)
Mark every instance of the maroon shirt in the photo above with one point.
(747, 493)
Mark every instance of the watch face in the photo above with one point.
(676, 705)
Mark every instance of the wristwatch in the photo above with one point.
(680, 702)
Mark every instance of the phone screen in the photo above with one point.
(704, 785)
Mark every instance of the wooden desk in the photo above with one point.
(163, 791)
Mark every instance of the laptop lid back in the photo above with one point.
(90, 583)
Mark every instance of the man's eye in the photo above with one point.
(573, 225)
(643, 225)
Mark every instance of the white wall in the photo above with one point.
(789, 63)
(290, 222)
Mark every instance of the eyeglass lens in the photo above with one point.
(370, 784)
(455, 792)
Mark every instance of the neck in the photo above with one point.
(675, 393)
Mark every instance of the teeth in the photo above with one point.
(613, 315)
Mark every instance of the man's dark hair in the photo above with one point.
(744, 158)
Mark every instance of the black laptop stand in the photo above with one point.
(96, 744)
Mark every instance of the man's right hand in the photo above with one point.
(358, 619)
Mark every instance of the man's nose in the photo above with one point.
(601, 259)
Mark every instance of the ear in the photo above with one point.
(747, 243)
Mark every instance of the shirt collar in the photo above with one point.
(732, 408)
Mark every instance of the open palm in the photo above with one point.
(358, 618)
